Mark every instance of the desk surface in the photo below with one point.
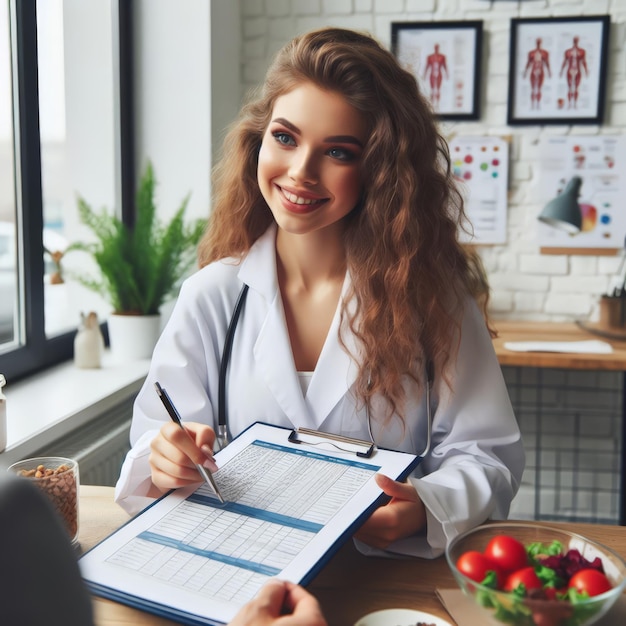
(550, 331)
(350, 586)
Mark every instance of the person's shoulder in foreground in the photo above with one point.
(41, 583)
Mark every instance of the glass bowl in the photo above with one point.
(58, 478)
(508, 608)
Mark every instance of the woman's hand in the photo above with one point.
(403, 516)
(174, 454)
(280, 603)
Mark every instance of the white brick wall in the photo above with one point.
(525, 283)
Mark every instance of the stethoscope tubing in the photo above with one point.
(222, 416)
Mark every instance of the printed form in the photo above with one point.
(286, 506)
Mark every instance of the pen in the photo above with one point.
(173, 413)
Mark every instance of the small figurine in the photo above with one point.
(88, 343)
(56, 277)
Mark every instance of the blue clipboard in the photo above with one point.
(110, 572)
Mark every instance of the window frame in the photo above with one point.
(37, 352)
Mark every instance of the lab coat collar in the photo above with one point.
(258, 269)
(335, 371)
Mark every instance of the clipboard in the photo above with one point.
(289, 507)
(307, 436)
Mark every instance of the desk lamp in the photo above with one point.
(563, 212)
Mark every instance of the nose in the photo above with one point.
(303, 168)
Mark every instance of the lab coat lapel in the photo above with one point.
(274, 359)
(272, 350)
(336, 369)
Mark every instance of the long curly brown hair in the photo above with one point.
(410, 276)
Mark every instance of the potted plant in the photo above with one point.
(141, 267)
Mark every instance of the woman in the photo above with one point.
(335, 204)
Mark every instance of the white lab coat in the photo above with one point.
(476, 459)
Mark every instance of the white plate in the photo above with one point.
(400, 617)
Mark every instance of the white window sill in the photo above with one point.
(53, 403)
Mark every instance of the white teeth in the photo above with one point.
(297, 199)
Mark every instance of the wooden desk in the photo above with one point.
(550, 331)
(350, 586)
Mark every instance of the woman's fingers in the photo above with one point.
(403, 516)
(396, 489)
(194, 440)
(175, 453)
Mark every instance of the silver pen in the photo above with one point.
(173, 413)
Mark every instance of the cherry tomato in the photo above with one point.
(475, 565)
(554, 593)
(525, 576)
(507, 552)
(590, 580)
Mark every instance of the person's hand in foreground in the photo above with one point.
(280, 603)
(174, 454)
(403, 516)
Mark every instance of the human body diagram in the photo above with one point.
(435, 66)
(574, 61)
(537, 66)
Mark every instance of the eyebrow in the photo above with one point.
(332, 139)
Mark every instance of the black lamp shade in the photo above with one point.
(564, 211)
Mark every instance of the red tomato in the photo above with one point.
(525, 576)
(507, 552)
(590, 580)
(475, 565)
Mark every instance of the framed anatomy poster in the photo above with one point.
(445, 59)
(480, 166)
(600, 162)
(557, 70)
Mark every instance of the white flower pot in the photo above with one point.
(133, 337)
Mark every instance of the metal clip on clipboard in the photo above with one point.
(362, 448)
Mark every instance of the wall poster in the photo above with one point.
(600, 162)
(557, 70)
(445, 59)
(481, 166)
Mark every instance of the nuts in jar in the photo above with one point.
(57, 477)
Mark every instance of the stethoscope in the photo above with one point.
(222, 414)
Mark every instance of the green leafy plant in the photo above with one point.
(142, 266)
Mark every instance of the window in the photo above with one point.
(8, 253)
(64, 106)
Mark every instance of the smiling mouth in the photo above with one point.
(295, 199)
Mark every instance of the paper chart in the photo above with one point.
(480, 165)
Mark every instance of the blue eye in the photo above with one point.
(283, 138)
(341, 154)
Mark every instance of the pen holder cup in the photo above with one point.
(613, 312)
(58, 479)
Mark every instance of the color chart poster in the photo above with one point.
(481, 167)
(598, 161)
